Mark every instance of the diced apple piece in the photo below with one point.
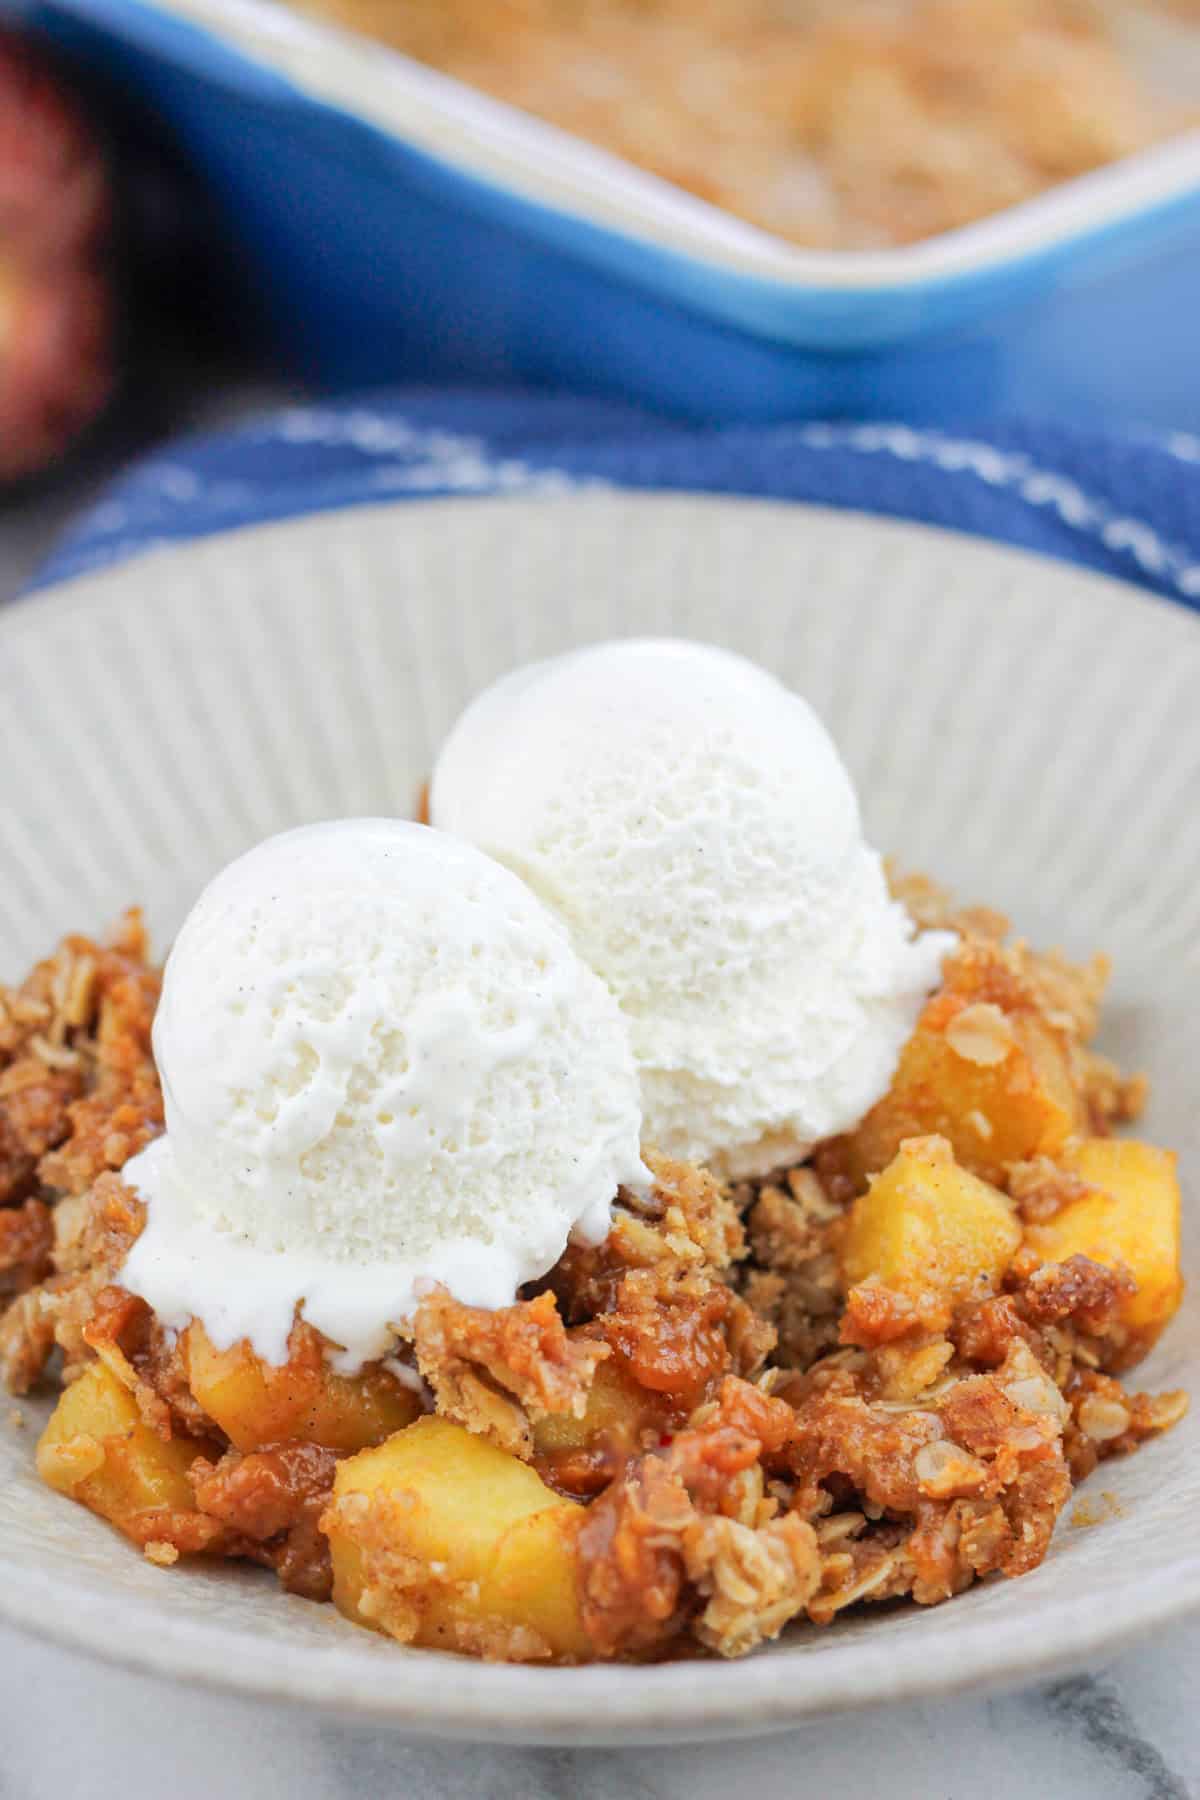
(996, 1084)
(930, 1230)
(301, 1401)
(98, 1450)
(612, 1406)
(447, 1542)
(1133, 1219)
(583, 1454)
(532, 1582)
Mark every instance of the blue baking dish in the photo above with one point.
(395, 226)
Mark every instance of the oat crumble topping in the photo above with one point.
(704, 1427)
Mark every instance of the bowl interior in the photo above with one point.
(1023, 731)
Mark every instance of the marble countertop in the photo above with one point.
(75, 1730)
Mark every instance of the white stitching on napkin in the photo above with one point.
(415, 459)
(1039, 486)
(1183, 445)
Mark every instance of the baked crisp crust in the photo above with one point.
(844, 124)
(498, 1372)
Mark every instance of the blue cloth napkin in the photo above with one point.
(1125, 503)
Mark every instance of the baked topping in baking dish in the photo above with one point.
(840, 124)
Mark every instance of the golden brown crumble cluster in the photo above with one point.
(842, 124)
(875, 1375)
(79, 1095)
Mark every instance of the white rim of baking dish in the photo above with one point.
(502, 145)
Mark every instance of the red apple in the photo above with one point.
(56, 308)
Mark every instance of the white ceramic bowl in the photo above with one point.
(1026, 731)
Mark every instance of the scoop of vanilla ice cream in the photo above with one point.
(383, 1066)
(692, 823)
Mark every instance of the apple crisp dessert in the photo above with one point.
(877, 1375)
